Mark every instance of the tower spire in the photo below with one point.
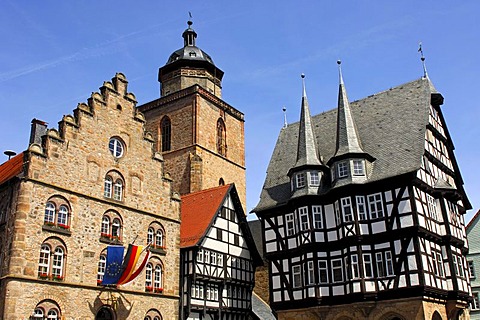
(422, 58)
(348, 140)
(307, 148)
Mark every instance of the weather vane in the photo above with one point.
(422, 57)
(285, 124)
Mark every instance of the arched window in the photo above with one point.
(154, 276)
(153, 314)
(156, 237)
(105, 313)
(114, 186)
(52, 266)
(57, 213)
(46, 309)
(111, 228)
(108, 187)
(102, 262)
(118, 190)
(166, 132)
(44, 261)
(50, 212)
(221, 182)
(221, 138)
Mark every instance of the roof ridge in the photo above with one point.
(206, 190)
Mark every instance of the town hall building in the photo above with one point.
(362, 211)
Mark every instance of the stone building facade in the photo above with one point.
(92, 182)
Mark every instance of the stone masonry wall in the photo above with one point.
(72, 166)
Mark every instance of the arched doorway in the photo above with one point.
(105, 313)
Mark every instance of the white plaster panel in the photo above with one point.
(332, 236)
(388, 196)
(329, 216)
(406, 221)
(404, 206)
(370, 286)
(297, 295)
(292, 243)
(277, 296)
(402, 281)
(276, 282)
(271, 246)
(378, 227)
(414, 279)
(269, 235)
(338, 290)
(412, 263)
(324, 291)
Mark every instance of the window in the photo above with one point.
(314, 178)
(107, 193)
(200, 255)
(354, 270)
(347, 209)
(297, 276)
(213, 258)
(290, 225)
(166, 132)
(342, 170)
(300, 180)
(337, 213)
(116, 147)
(337, 270)
(148, 277)
(361, 209)
(311, 272)
(219, 234)
(358, 168)
(236, 239)
(154, 276)
(220, 259)
(114, 190)
(57, 213)
(375, 205)
(102, 263)
(317, 217)
(111, 228)
(389, 263)
(367, 265)
(118, 190)
(221, 138)
(437, 262)
(51, 262)
(475, 301)
(156, 236)
(323, 271)
(380, 266)
(471, 268)
(432, 207)
(303, 217)
(46, 309)
(157, 280)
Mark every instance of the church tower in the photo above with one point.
(200, 136)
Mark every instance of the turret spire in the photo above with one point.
(189, 35)
(307, 148)
(348, 140)
(422, 57)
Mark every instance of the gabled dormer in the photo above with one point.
(350, 162)
(307, 174)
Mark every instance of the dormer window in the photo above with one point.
(314, 178)
(300, 180)
(342, 170)
(358, 168)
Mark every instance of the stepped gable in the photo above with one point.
(391, 123)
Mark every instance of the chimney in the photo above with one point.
(38, 130)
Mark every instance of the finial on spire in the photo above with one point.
(285, 124)
(339, 62)
(422, 57)
(303, 85)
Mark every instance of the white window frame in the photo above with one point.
(289, 224)
(49, 212)
(157, 277)
(337, 265)
(389, 263)
(342, 169)
(303, 218)
(300, 180)
(57, 262)
(108, 184)
(105, 229)
(354, 266)
(358, 167)
(471, 268)
(44, 260)
(200, 255)
(367, 265)
(375, 205)
(297, 276)
(381, 272)
(116, 147)
(311, 272)
(314, 178)
(347, 209)
(62, 218)
(432, 207)
(323, 271)
(476, 301)
(361, 208)
(148, 275)
(118, 190)
(317, 217)
(102, 263)
(337, 213)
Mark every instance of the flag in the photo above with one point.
(114, 263)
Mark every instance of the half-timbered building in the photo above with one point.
(218, 256)
(362, 211)
(473, 260)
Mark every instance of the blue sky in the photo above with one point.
(55, 53)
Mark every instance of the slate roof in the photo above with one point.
(198, 210)
(11, 168)
(390, 124)
(256, 230)
(261, 309)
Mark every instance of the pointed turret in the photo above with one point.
(307, 173)
(348, 140)
(350, 160)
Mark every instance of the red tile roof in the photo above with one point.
(198, 209)
(11, 168)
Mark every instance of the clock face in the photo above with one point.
(114, 269)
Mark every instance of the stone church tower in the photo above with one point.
(200, 136)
